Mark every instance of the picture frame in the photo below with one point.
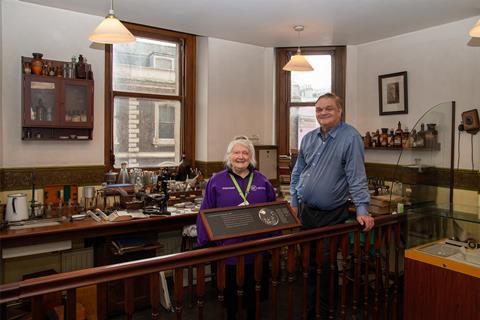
(393, 93)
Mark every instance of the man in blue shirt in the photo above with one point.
(329, 169)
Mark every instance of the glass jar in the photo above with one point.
(123, 176)
(384, 137)
(37, 63)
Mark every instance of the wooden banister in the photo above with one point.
(387, 232)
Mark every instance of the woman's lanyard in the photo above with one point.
(240, 192)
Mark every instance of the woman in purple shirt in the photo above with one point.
(239, 184)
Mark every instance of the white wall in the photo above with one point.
(58, 34)
(442, 66)
(237, 97)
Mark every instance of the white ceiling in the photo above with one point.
(269, 23)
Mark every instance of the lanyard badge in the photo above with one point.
(240, 192)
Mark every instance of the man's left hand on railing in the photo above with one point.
(367, 221)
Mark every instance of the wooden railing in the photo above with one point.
(369, 274)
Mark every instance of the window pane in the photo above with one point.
(308, 86)
(146, 132)
(302, 121)
(146, 66)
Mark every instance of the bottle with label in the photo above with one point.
(367, 141)
(397, 143)
(375, 139)
(391, 137)
(420, 143)
(384, 137)
(413, 139)
(406, 139)
(80, 70)
(431, 136)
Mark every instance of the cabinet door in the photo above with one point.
(77, 104)
(41, 105)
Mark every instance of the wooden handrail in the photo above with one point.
(70, 280)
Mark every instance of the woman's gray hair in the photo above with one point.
(244, 141)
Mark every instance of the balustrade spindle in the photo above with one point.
(343, 295)
(319, 275)
(333, 278)
(178, 292)
(386, 303)
(221, 288)
(200, 289)
(291, 276)
(128, 296)
(366, 258)
(258, 284)
(378, 273)
(155, 294)
(306, 270)
(275, 274)
(357, 266)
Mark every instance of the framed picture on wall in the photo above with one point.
(393, 93)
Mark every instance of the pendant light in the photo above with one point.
(475, 31)
(111, 30)
(298, 62)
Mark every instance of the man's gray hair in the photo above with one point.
(244, 141)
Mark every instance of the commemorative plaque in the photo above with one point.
(240, 221)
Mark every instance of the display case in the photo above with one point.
(55, 107)
(442, 256)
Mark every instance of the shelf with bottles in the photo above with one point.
(40, 133)
(426, 140)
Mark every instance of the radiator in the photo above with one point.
(77, 259)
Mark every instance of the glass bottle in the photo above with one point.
(41, 111)
(71, 68)
(420, 142)
(37, 63)
(406, 139)
(397, 143)
(431, 136)
(367, 141)
(123, 176)
(413, 139)
(391, 138)
(384, 137)
(80, 71)
(375, 139)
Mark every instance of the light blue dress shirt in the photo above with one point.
(330, 169)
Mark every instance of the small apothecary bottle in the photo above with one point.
(37, 63)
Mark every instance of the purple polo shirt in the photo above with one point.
(221, 192)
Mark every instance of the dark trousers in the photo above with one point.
(249, 294)
(312, 218)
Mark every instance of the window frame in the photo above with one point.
(186, 90)
(283, 85)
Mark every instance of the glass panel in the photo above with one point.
(308, 86)
(75, 103)
(42, 103)
(146, 132)
(146, 66)
(302, 121)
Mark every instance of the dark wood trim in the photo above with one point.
(208, 168)
(282, 113)
(21, 178)
(441, 177)
(146, 95)
(186, 95)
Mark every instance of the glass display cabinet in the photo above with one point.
(442, 256)
(56, 107)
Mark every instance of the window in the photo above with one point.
(298, 91)
(149, 116)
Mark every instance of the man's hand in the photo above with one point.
(366, 221)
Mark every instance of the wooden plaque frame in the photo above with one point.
(240, 221)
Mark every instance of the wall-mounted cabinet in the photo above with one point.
(56, 108)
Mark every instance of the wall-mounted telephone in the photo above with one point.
(470, 120)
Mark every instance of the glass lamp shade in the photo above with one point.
(475, 31)
(298, 63)
(111, 31)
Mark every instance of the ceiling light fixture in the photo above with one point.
(111, 30)
(475, 31)
(298, 62)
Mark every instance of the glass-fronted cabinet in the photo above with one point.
(56, 107)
